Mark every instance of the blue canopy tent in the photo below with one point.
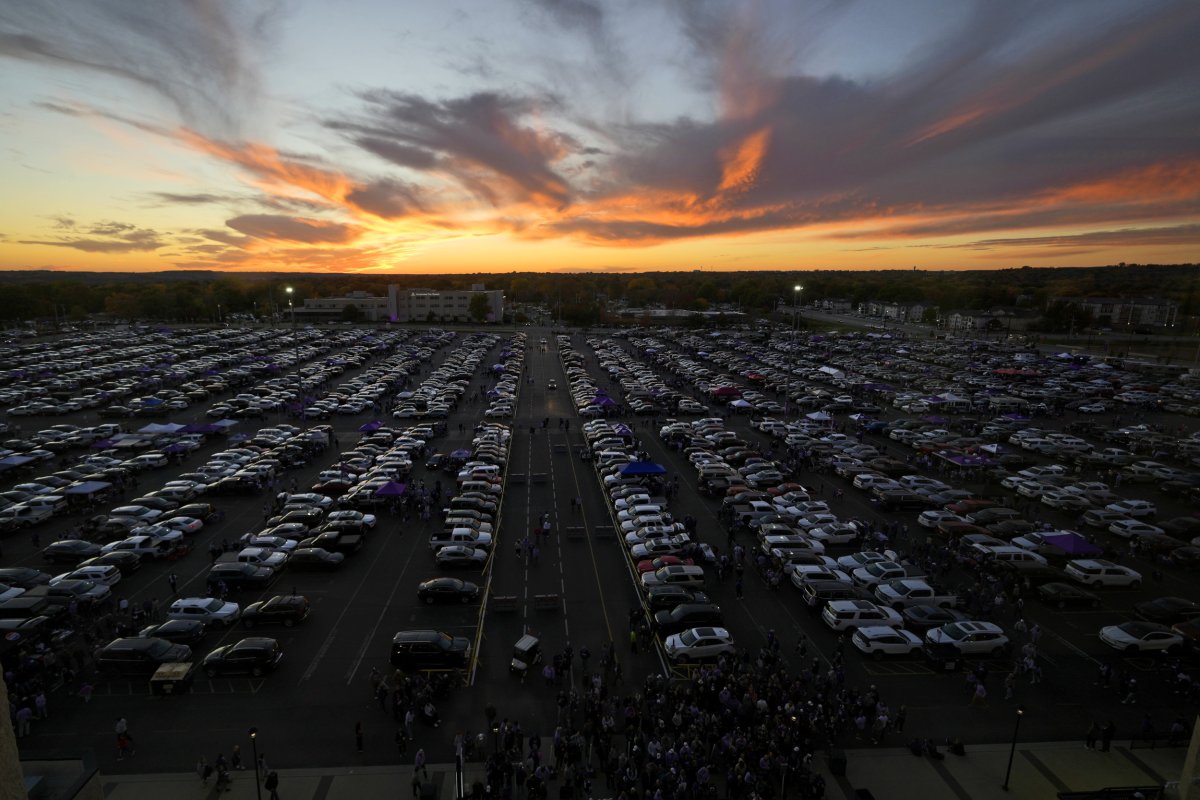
(391, 489)
(371, 426)
(1072, 543)
(87, 488)
(643, 468)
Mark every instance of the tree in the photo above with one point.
(479, 307)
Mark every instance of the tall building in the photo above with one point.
(1146, 312)
(430, 305)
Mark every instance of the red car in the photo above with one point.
(784, 488)
(651, 564)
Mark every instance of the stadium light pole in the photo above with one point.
(292, 309)
(796, 290)
(254, 749)
(1012, 751)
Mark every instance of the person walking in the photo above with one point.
(173, 580)
(1093, 733)
(271, 784)
(204, 770)
(235, 757)
(1107, 732)
(419, 764)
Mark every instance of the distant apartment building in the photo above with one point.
(1145, 312)
(901, 312)
(431, 305)
(318, 309)
(997, 319)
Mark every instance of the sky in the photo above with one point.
(411, 136)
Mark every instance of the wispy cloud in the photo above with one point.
(103, 237)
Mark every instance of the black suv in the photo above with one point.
(285, 610)
(256, 655)
(429, 650)
(686, 615)
(240, 576)
(140, 656)
(817, 594)
(667, 596)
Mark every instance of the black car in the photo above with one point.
(70, 551)
(201, 511)
(240, 576)
(1167, 610)
(314, 558)
(282, 609)
(1061, 595)
(426, 649)
(921, 618)
(123, 560)
(235, 484)
(24, 577)
(900, 499)
(436, 461)
(256, 656)
(686, 615)
(179, 631)
(667, 596)
(447, 590)
(157, 503)
(137, 656)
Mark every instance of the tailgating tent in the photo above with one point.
(368, 427)
(10, 462)
(391, 489)
(1072, 543)
(162, 427)
(742, 404)
(197, 428)
(463, 454)
(643, 468)
(87, 488)
(225, 424)
(603, 401)
(819, 416)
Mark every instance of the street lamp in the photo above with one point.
(254, 749)
(796, 290)
(292, 309)
(1013, 750)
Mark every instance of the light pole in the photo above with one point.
(796, 290)
(1013, 750)
(292, 309)
(254, 750)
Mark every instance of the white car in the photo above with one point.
(696, 644)
(1098, 572)
(270, 542)
(208, 610)
(1130, 528)
(842, 615)
(182, 524)
(856, 560)
(878, 641)
(1140, 637)
(148, 461)
(836, 534)
(933, 518)
(1133, 508)
(368, 520)
(100, 574)
(805, 574)
(141, 513)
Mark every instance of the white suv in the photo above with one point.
(841, 615)
(1097, 572)
(970, 638)
(208, 610)
(878, 641)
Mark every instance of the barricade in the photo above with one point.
(546, 602)
(503, 602)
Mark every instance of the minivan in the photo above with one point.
(427, 649)
(1005, 554)
(675, 574)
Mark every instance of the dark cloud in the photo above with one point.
(480, 140)
(389, 199)
(191, 198)
(293, 229)
(200, 55)
(1139, 237)
(108, 237)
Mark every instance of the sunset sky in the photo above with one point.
(623, 135)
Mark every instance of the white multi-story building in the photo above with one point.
(1133, 311)
(373, 307)
(431, 305)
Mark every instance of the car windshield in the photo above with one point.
(214, 605)
(954, 632)
(159, 649)
(445, 641)
(688, 637)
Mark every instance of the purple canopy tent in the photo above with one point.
(1072, 543)
(643, 468)
(391, 489)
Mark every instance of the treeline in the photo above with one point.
(582, 298)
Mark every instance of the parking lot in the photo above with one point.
(580, 588)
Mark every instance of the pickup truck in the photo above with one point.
(258, 556)
(465, 536)
(748, 514)
(335, 542)
(883, 571)
(902, 592)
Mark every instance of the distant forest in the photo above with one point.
(581, 298)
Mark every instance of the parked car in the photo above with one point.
(697, 644)
(254, 656)
(1141, 637)
(447, 590)
(137, 656)
(284, 609)
(970, 637)
(879, 641)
